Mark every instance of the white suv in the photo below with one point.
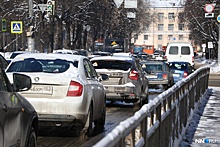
(180, 51)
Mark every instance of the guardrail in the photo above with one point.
(163, 121)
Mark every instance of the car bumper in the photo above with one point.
(55, 119)
(120, 92)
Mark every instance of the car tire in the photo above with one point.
(32, 138)
(143, 99)
(100, 123)
(165, 86)
(89, 122)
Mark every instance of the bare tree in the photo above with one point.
(202, 29)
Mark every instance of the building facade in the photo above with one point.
(165, 25)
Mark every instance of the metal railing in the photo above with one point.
(163, 121)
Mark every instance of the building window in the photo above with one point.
(145, 37)
(160, 37)
(170, 37)
(160, 16)
(170, 27)
(147, 27)
(181, 27)
(160, 27)
(180, 37)
(171, 16)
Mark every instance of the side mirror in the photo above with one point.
(21, 82)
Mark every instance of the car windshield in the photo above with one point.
(110, 64)
(41, 65)
(152, 68)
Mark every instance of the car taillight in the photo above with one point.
(165, 57)
(185, 74)
(75, 89)
(193, 59)
(164, 76)
(133, 75)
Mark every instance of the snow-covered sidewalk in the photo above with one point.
(204, 128)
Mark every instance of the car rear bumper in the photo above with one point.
(58, 119)
(121, 92)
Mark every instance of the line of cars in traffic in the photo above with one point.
(67, 89)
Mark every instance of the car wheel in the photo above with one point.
(143, 99)
(166, 86)
(32, 139)
(89, 122)
(100, 123)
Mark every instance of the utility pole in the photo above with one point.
(218, 19)
(218, 44)
(30, 37)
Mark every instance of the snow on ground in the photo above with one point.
(204, 124)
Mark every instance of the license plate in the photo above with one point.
(41, 90)
(176, 75)
(119, 89)
(151, 76)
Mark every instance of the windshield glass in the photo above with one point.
(39, 65)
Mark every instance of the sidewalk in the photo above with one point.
(204, 129)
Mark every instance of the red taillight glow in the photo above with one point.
(193, 59)
(133, 75)
(185, 74)
(75, 89)
(164, 76)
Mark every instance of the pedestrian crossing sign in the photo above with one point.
(16, 27)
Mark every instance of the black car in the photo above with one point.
(19, 120)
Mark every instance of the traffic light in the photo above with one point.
(4, 26)
(50, 7)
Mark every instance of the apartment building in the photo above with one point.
(165, 26)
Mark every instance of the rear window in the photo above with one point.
(178, 66)
(152, 67)
(173, 50)
(33, 65)
(185, 50)
(112, 64)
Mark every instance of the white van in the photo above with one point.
(180, 51)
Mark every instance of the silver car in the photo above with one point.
(127, 81)
(65, 89)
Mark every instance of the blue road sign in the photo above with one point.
(16, 27)
(218, 18)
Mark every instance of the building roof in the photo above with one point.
(167, 3)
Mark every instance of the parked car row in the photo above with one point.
(60, 89)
